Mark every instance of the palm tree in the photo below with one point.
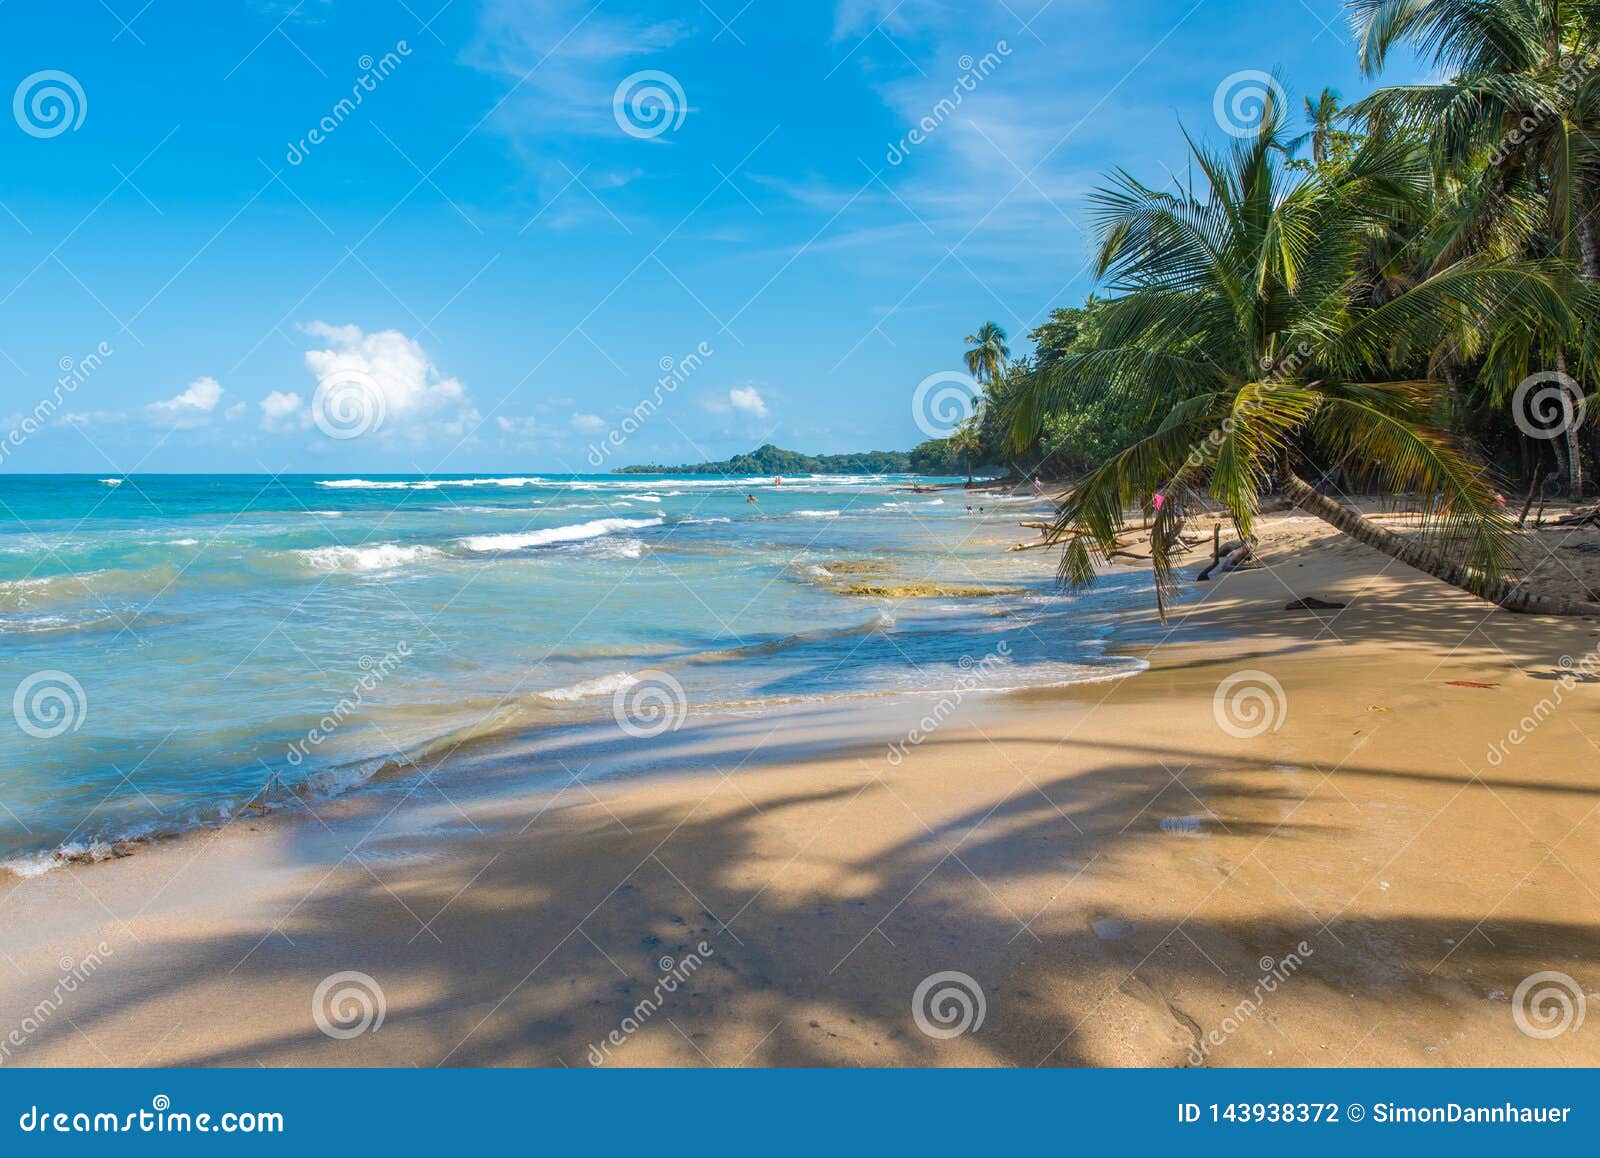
(986, 360)
(965, 441)
(1322, 115)
(1248, 318)
(1520, 111)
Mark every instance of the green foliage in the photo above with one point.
(1513, 131)
(1065, 331)
(1081, 433)
(1078, 438)
(1253, 334)
(772, 460)
(935, 457)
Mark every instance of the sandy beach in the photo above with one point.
(1350, 866)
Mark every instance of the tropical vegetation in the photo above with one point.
(773, 460)
(1355, 304)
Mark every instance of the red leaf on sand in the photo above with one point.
(1469, 684)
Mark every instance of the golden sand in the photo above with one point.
(1129, 873)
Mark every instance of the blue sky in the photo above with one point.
(506, 257)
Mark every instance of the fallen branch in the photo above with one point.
(1066, 538)
(1580, 517)
(1234, 554)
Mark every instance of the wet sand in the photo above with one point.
(1122, 873)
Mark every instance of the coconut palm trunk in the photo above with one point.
(1569, 436)
(1589, 242)
(1417, 553)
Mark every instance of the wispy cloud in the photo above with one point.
(561, 62)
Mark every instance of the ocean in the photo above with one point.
(178, 650)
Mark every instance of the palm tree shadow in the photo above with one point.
(538, 950)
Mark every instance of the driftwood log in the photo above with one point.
(1231, 555)
(1582, 516)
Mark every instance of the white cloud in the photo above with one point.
(588, 422)
(279, 409)
(748, 400)
(417, 399)
(236, 411)
(523, 425)
(188, 409)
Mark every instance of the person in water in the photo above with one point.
(749, 498)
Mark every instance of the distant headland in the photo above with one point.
(775, 460)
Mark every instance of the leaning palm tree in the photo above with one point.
(1246, 320)
(1519, 111)
(987, 358)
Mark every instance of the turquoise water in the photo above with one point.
(175, 647)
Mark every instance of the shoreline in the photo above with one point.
(1108, 865)
(575, 705)
(459, 750)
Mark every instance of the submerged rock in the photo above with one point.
(917, 588)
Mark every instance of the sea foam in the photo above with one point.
(569, 534)
(378, 557)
